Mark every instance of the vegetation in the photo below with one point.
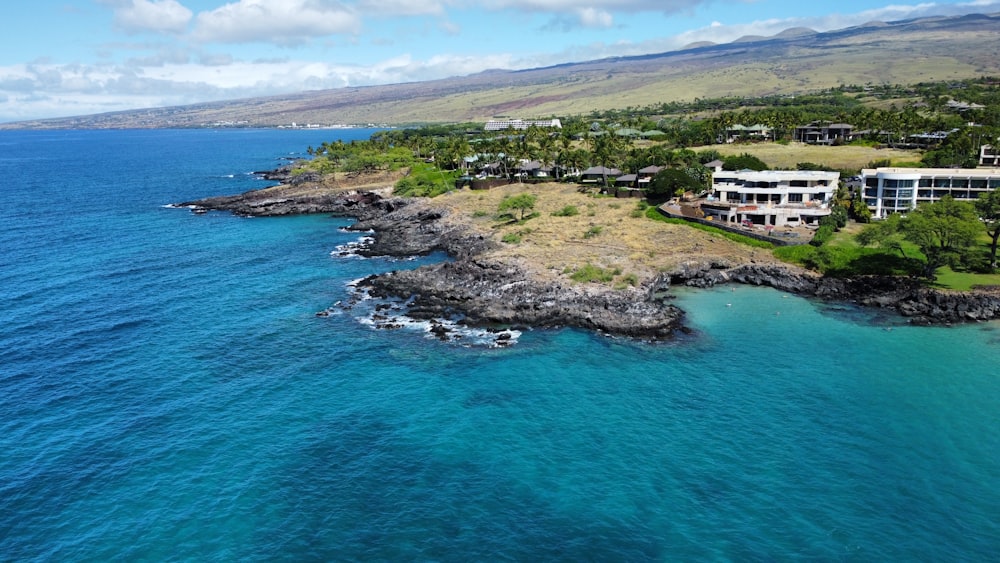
(426, 180)
(568, 211)
(988, 208)
(591, 273)
(673, 182)
(522, 203)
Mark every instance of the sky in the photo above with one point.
(61, 58)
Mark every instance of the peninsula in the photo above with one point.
(607, 268)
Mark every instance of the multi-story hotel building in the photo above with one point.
(896, 190)
(771, 197)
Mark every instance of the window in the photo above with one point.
(794, 198)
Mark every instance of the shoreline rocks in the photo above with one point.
(484, 291)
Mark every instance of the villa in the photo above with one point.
(772, 198)
(896, 190)
(817, 134)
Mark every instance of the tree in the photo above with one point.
(744, 161)
(672, 181)
(944, 230)
(520, 202)
(988, 208)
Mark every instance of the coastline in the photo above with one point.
(489, 283)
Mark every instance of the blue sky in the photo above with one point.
(62, 57)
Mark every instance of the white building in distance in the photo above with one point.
(520, 124)
(771, 197)
(897, 190)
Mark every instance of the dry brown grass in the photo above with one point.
(628, 241)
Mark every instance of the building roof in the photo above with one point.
(601, 171)
(652, 169)
(965, 172)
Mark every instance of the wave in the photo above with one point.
(390, 314)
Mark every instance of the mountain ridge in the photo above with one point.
(795, 60)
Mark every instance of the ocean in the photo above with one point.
(168, 393)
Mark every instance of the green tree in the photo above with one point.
(988, 208)
(944, 231)
(672, 181)
(744, 161)
(520, 202)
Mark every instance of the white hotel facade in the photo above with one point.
(897, 190)
(771, 197)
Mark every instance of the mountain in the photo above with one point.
(794, 61)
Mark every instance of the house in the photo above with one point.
(897, 190)
(599, 175)
(771, 197)
(816, 134)
(747, 132)
(646, 174)
(989, 156)
(520, 124)
(626, 181)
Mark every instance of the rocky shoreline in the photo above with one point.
(483, 290)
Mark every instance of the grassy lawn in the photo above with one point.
(963, 281)
(788, 155)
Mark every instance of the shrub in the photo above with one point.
(822, 236)
(593, 231)
(591, 273)
(511, 238)
(568, 211)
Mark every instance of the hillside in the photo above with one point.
(794, 61)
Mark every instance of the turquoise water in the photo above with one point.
(166, 392)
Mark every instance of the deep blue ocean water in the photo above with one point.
(166, 392)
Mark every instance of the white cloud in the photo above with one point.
(163, 16)
(395, 8)
(284, 22)
(591, 17)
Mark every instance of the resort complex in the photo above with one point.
(897, 190)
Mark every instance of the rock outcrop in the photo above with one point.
(486, 292)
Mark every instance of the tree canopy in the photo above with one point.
(520, 202)
(988, 208)
(943, 230)
(672, 181)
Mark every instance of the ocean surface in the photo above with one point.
(168, 393)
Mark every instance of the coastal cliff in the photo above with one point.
(484, 286)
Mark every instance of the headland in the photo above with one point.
(605, 267)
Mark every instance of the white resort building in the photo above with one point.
(896, 190)
(519, 124)
(771, 197)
